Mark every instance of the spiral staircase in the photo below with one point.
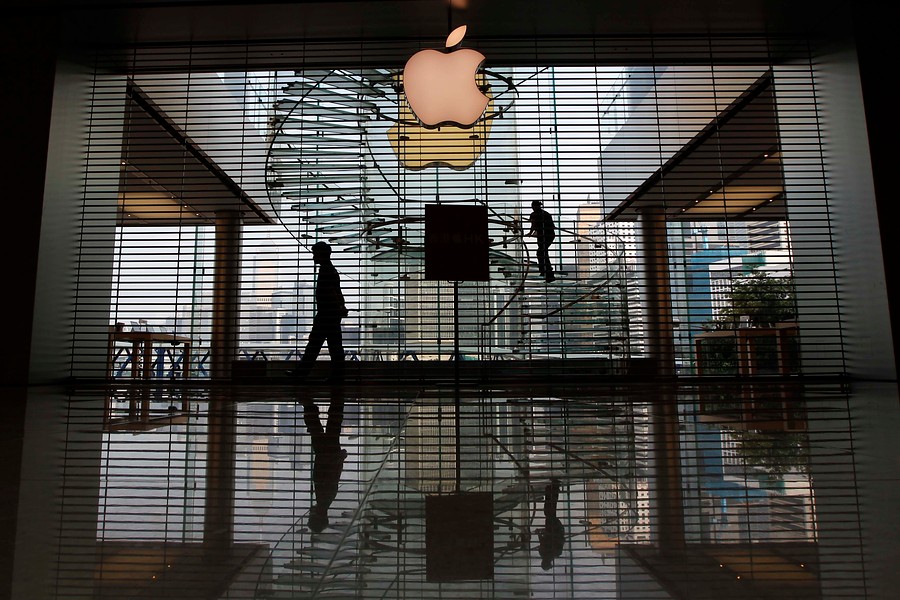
(331, 178)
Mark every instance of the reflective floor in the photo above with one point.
(628, 491)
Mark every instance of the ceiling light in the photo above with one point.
(733, 200)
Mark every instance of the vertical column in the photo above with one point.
(660, 328)
(226, 294)
(832, 218)
(218, 514)
(64, 168)
(669, 500)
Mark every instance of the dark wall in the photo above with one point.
(28, 73)
(876, 49)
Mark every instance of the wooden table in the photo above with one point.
(142, 343)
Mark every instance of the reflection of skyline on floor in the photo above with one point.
(766, 501)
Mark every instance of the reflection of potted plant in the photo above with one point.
(774, 454)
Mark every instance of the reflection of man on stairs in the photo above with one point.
(552, 536)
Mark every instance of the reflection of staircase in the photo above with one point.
(376, 539)
(394, 533)
(328, 564)
(323, 565)
(602, 453)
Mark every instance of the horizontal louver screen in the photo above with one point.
(686, 162)
(686, 181)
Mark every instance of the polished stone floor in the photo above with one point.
(627, 491)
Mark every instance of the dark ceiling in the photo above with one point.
(731, 169)
(178, 22)
(202, 21)
(167, 179)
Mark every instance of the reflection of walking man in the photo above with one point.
(543, 230)
(552, 536)
(330, 309)
(328, 457)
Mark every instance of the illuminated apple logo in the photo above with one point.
(441, 87)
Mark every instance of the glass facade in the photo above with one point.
(333, 155)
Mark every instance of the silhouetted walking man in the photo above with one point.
(328, 456)
(543, 229)
(552, 536)
(330, 309)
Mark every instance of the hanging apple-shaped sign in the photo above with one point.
(441, 86)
